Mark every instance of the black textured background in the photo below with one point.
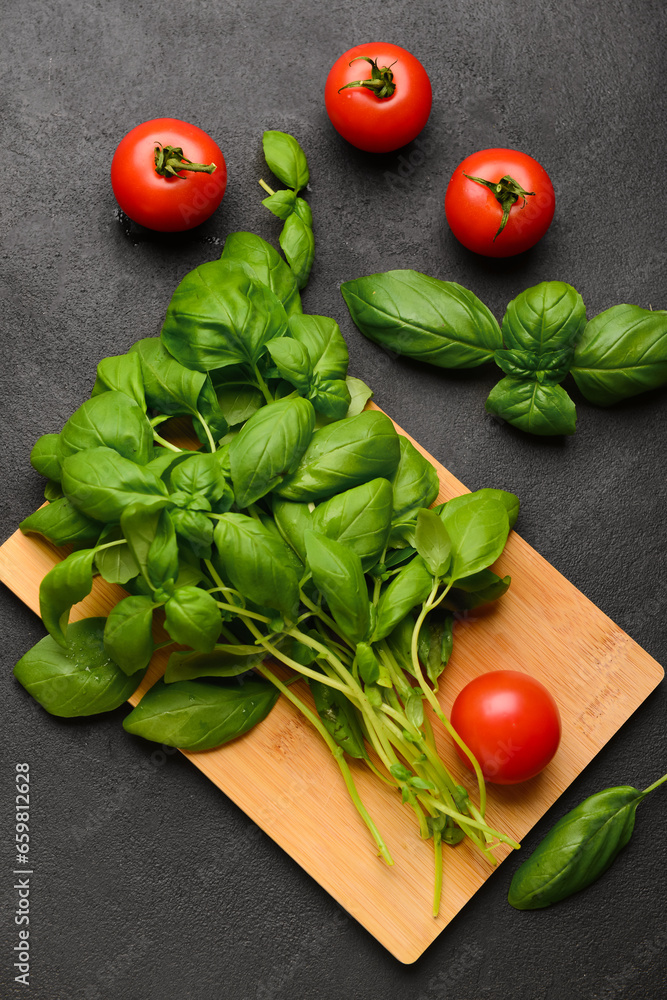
(149, 884)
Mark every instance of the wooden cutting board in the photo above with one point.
(284, 778)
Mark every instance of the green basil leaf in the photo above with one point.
(545, 318)
(194, 715)
(359, 518)
(199, 472)
(292, 521)
(45, 456)
(170, 387)
(116, 564)
(62, 524)
(324, 342)
(286, 159)
(197, 530)
(238, 402)
(111, 420)
(102, 484)
(221, 662)
(368, 663)
(77, 679)
(414, 710)
(304, 211)
(298, 244)
(623, 351)
(360, 393)
(435, 321)
(128, 634)
(339, 576)
(220, 316)
(436, 639)
(331, 397)
(192, 618)
(339, 718)
(63, 586)
(415, 483)
(257, 562)
(509, 501)
(535, 408)
(410, 587)
(552, 367)
(152, 539)
(209, 413)
(344, 454)
(281, 203)
(121, 373)
(52, 491)
(579, 848)
(478, 531)
(469, 597)
(263, 263)
(433, 543)
(269, 447)
(292, 361)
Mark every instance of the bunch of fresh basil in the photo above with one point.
(299, 530)
(544, 335)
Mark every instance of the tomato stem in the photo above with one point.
(506, 191)
(170, 161)
(381, 82)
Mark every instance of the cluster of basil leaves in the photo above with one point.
(287, 161)
(300, 528)
(544, 335)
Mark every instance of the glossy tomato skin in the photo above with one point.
(474, 214)
(167, 204)
(378, 124)
(510, 722)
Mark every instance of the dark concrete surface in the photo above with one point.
(149, 884)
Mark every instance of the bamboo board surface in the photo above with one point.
(282, 775)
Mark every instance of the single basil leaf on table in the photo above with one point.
(219, 316)
(192, 618)
(170, 387)
(286, 159)
(221, 662)
(509, 501)
(339, 576)
(257, 563)
(435, 321)
(264, 263)
(281, 203)
(339, 718)
(292, 361)
(298, 244)
(45, 456)
(63, 586)
(110, 420)
(330, 397)
(415, 483)
(102, 484)
(533, 407)
(117, 563)
(76, 679)
(128, 635)
(578, 849)
(121, 373)
(551, 367)
(432, 542)
(344, 454)
(545, 318)
(478, 531)
(410, 587)
(326, 346)
(269, 448)
(62, 524)
(193, 715)
(359, 518)
(622, 352)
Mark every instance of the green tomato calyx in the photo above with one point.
(169, 161)
(381, 82)
(507, 192)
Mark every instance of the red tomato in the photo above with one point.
(510, 722)
(378, 124)
(172, 203)
(475, 211)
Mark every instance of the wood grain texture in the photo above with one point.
(284, 778)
